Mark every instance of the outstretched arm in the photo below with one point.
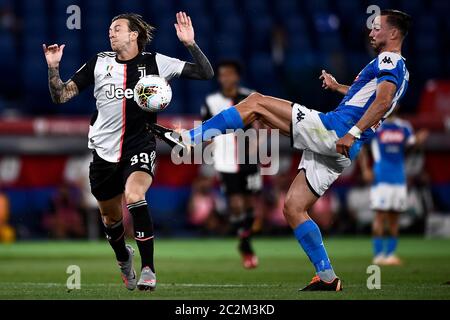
(330, 83)
(375, 112)
(201, 68)
(60, 91)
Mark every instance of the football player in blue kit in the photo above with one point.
(388, 195)
(330, 141)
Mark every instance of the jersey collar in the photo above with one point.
(127, 61)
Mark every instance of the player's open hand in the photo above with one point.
(344, 144)
(328, 81)
(53, 54)
(185, 30)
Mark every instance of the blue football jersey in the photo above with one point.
(388, 66)
(388, 150)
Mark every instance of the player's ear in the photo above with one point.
(394, 33)
(134, 35)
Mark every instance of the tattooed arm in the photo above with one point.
(201, 68)
(60, 92)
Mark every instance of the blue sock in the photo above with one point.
(391, 245)
(227, 119)
(377, 245)
(310, 239)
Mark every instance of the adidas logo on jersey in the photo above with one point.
(144, 166)
(108, 70)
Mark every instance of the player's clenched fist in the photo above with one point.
(344, 144)
(53, 54)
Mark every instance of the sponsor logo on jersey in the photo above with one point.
(392, 136)
(387, 60)
(108, 71)
(300, 116)
(119, 93)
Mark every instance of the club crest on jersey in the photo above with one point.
(119, 93)
(142, 71)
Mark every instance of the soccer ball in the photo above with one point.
(152, 93)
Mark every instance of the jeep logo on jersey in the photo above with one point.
(119, 93)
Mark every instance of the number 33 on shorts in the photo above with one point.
(146, 160)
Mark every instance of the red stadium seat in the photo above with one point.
(435, 98)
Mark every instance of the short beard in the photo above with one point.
(121, 48)
(378, 48)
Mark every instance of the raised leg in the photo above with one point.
(274, 112)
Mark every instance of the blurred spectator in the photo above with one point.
(7, 233)
(8, 20)
(271, 204)
(279, 42)
(77, 174)
(204, 203)
(64, 219)
(324, 212)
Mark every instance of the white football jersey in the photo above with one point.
(119, 126)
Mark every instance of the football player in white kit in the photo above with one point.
(239, 181)
(123, 147)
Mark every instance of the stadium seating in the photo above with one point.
(225, 29)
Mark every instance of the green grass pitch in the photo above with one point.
(211, 269)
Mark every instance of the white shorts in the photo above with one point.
(320, 161)
(388, 197)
